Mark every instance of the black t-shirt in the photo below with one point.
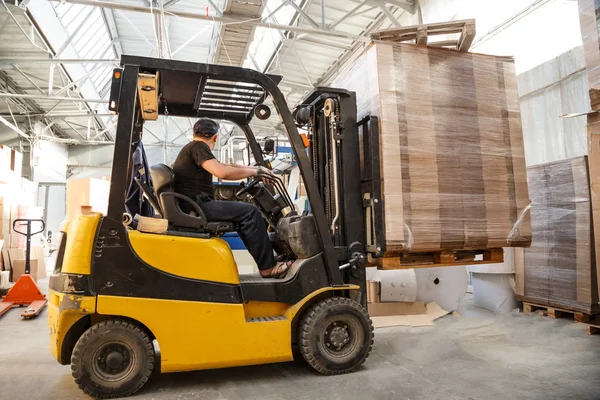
(191, 179)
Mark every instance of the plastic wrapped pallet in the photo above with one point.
(452, 159)
(559, 269)
(589, 21)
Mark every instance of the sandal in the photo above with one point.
(280, 270)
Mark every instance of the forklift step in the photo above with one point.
(267, 319)
(256, 278)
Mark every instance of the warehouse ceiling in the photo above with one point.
(56, 57)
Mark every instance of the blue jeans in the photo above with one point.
(252, 228)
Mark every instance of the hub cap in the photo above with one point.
(113, 361)
(337, 336)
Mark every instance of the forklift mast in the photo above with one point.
(329, 116)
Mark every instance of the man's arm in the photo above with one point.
(228, 171)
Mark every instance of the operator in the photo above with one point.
(194, 169)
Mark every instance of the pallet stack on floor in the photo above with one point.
(17, 201)
(589, 16)
(559, 273)
(559, 269)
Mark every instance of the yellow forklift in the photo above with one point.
(122, 301)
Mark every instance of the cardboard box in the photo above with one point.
(86, 192)
(451, 146)
(6, 172)
(593, 131)
(589, 22)
(18, 269)
(16, 163)
(16, 262)
(559, 269)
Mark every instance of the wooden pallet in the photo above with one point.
(420, 34)
(443, 258)
(554, 312)
(592, 329)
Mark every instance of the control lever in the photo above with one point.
(357, 260)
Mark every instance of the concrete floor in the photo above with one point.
(477, 355)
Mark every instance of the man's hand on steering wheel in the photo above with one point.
(264, 174)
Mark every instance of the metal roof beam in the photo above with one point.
(213, 5)
(58, 116)
(14, 128)
(303, 13)
(348, 14)
(51, 98)
(405, 5)
(75, 32)
(4, 62)
(389, 14)
(135, 28)
(308, 78)
(272, 13)
(171, 3)
(231, 18)
(27, 101)
(111, 24)
(334, 68)
(28, 79)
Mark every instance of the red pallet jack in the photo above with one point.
(25, 291)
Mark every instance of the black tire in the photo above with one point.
(335, 336)
(112, 359)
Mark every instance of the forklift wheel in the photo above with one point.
(111, 359)
(335, 336)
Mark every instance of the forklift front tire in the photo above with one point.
(113, 358)
(335, 336)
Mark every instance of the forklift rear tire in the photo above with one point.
(335, 336)
(112, 359)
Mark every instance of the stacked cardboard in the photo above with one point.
(17, 201)
(14, 262)
(87, 192)
(589, 21)
(6, 173)
(559, 268)
(452, 158)
(589, 18)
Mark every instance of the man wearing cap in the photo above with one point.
(194, 169)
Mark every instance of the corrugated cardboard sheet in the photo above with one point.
(86, 192)
(452, 157)
(559, 268)
(593, 132)
(589, 21)
(14, 261)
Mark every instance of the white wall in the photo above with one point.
(49, 162)
(90, 161)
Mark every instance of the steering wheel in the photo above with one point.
(247, 187)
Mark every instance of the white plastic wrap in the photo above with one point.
(451, 146)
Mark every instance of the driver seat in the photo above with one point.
(163, 179)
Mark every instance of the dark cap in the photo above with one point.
(205, 127)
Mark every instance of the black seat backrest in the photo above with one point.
(149, 195)
(163, 178)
